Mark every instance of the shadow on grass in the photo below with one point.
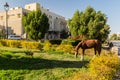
(37, 63)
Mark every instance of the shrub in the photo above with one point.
(100, 68)
(11, 43)
(66, 41)
(19, 43)
(65, 48)
(31, 45)
(104, 67)
(3, 42)
(81, 76)
(14, 43)
(58, 42)
(70, 42)
(47, 46)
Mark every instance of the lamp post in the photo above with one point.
(6, 7)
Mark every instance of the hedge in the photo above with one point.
(20, 43)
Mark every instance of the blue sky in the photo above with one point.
(67, 8)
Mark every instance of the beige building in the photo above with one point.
(14, 18)
(57, 22)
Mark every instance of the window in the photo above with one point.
(19, 15)
(50, 16)
(12, 15)
(50, 22)
(1, 17)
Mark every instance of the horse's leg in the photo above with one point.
(94, 53)
(82, 55)
(110, 50)
(99, 51)
(76, 53)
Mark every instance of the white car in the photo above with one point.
(15, 37)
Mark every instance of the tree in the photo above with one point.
(113, 37)
(74, 23)
(35, 24)
(90, 24)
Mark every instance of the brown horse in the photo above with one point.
(87, 44)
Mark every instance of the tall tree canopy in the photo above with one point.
(36, 24)
(90, 24)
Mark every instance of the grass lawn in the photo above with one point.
(15, 65)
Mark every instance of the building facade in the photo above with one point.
(57, 22)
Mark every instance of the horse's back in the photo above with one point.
(93, 42)
(97, 41)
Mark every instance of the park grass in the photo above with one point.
(15, 65)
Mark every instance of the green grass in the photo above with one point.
(15, 65)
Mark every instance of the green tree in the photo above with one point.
(113, 37)
(35, 24)
(74, 23)
(90, 24)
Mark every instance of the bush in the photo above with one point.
(58, 42)
(66, 41)
(81, 76)
(11, 43)
(19, 43)
(65, 48)
(104, 67)
(47, 46)
(70, 42)
(31, 45)
(100, 68)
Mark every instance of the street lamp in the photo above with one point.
(6, 7)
